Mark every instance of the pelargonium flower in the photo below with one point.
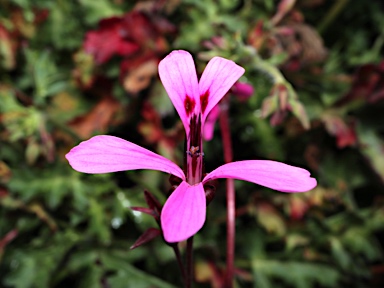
(184, 212)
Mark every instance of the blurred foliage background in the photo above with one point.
(73, 69)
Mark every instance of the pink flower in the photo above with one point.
(243, 91)
(184, 212)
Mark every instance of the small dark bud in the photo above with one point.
(152, 202)
(145, 210)
(147, 236)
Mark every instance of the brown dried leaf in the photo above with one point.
(270, 218)
(34, 208)
(5, 173)
(208, 272)
(7, 49)
(140, 78)
(98, 119)
(305, 45)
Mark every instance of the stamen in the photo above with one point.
(197, 154)
(194, 159)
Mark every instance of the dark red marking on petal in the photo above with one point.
(204, 100)
(189, 104)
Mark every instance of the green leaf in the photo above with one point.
(339, 253)
(127, 276)
(297, 274)
(372, 149)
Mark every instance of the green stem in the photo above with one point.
(180, 263)
(189, 274)
(332, 14)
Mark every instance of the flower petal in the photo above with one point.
(209, 126)
(218, 77)
(178, 74)
(184, 212)
(103, 154)
(271, 174)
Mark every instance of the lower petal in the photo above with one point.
(184, 212)
(271, 174)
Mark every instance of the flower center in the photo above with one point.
(194, 153)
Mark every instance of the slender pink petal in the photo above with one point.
(209, 126)
(271, 174)
(218, 77)
(184, 212)
(103, 154)
(178, 74)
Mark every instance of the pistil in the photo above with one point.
(194, 152)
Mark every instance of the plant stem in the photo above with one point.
(189, 276)
(180, 263)
(331, 15)
(230, 232)
(193, 167)
(228, 157)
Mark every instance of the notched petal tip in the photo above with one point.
(218, 77)
(178, 53)
(183, 214)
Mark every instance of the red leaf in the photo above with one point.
(344, 132)
(368, 84)
(98, 119)
(8, 238)
(108, 40)
(126, 35)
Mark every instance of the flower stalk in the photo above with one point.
(189, 273)
(194, 175)
(230, 186)
(176, 250)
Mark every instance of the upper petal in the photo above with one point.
(178, 74)
(218, 77)
(184, 212)
(103, 154)
(271, 174)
